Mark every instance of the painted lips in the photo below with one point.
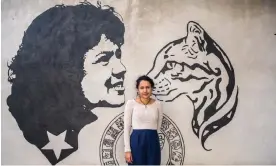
(119, 86)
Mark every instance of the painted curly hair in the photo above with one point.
(47, 71)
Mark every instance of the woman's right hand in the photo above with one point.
(128, 157)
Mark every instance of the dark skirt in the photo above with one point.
(145, 147)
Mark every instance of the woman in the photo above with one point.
(144, 115)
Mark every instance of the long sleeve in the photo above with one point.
(127, 125)
(160, 116)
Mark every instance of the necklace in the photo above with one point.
(144, 103)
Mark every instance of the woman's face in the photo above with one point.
(104, 79)
(145, 89)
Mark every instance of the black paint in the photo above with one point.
(200, 48)
(47, 71)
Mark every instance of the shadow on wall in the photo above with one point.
(197, 67)
(53, 75)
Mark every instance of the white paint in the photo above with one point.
(244, 29)
(99, 70)
(57, 143)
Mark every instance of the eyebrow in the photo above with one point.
(145, 86)
(108, 55)
(104, 52)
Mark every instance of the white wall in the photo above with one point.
(245, 30)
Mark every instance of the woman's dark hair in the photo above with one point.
(47, 71)
(144, 78)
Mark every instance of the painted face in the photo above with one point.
(145, 89)
(104, 79)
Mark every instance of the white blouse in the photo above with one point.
(139, 116)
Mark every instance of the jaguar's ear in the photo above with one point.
(193, 27)
(195, 34)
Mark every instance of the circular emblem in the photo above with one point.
(112, 143)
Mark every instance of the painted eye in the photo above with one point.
(170, 65)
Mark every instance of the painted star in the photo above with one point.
(57, 143)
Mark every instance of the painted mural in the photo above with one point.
(196, 66)
(65, 51)
(69, 63)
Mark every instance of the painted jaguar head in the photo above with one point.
(197, 67)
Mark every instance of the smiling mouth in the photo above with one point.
(118, 87)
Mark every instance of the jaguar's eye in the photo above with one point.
(170, 65)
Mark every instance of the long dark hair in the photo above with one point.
(47, 71)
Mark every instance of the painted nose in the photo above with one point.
(118, 69)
